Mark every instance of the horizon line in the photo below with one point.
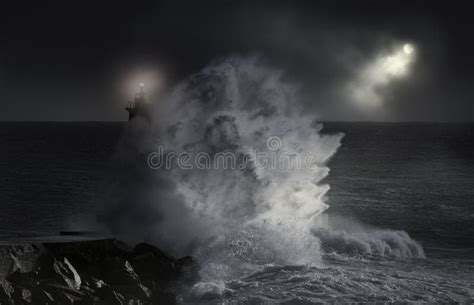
(319, 121)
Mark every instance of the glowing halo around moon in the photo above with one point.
(379, 73)
(408, 48)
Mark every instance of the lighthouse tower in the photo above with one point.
(138, 106)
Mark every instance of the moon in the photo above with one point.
(408, 48)
(380, 72)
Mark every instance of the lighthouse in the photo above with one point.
(138, 106)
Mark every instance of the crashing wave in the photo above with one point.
(238, 106)
(234, 217)
(385, 243)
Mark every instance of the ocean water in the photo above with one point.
(412, 177)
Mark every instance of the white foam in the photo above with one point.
(372, 242)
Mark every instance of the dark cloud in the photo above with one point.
(63, 60)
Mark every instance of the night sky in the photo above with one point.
(69, 60)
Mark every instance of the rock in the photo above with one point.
(119, 271)
(108, 296)
(144, 248)
(152, 264)
(18, 257)
(86, 256)
(41, 296)
(6, 291)
(22, 296)
(48, 269)
(63, 294)
(67, 273)
(91, 272)
(19, 279)
(188, 269)
(138, 291)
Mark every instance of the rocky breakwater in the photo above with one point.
(91, 272)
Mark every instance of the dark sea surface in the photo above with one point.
(51, 172)
(415, 177)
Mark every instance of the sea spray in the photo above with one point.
(231, 217)
(237, 106)
(348, 237)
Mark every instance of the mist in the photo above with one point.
(234, 218)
